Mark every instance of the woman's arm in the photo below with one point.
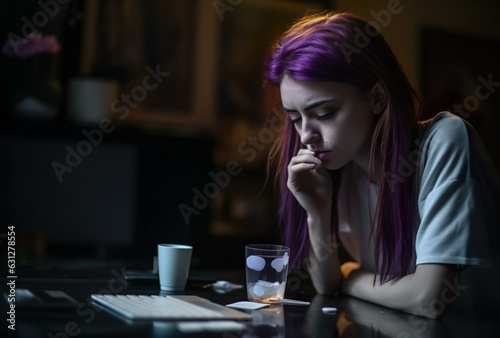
(427, 292)
(323, 264)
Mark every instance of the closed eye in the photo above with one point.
(317, 117)
(326, 116)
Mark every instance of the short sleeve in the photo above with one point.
(458, 190)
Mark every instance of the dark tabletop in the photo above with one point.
(354, 318)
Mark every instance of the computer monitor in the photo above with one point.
(121, 199)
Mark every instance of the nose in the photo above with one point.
(309, 135)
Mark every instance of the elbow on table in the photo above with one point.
(433, 290)
(430, 306)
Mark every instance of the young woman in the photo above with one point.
(412, 203)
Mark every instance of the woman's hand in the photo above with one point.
(309, 182)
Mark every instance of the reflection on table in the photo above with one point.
(353, 318)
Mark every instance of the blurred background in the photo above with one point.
(127, 123)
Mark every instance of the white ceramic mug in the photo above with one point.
(174, 261)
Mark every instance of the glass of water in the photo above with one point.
(266, 272)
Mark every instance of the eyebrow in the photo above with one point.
(309, 106)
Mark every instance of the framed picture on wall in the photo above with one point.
(161, 53)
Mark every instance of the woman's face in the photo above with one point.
(331, 118)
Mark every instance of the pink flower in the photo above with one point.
(33, 44)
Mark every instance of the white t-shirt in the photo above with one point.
(458, 191)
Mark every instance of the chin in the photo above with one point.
(329, 165)
(336, 162)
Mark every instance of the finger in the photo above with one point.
(301, 167)
(305, 151)
(305, 158)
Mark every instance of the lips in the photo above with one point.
(321, 154)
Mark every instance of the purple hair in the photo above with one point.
(346, 48)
